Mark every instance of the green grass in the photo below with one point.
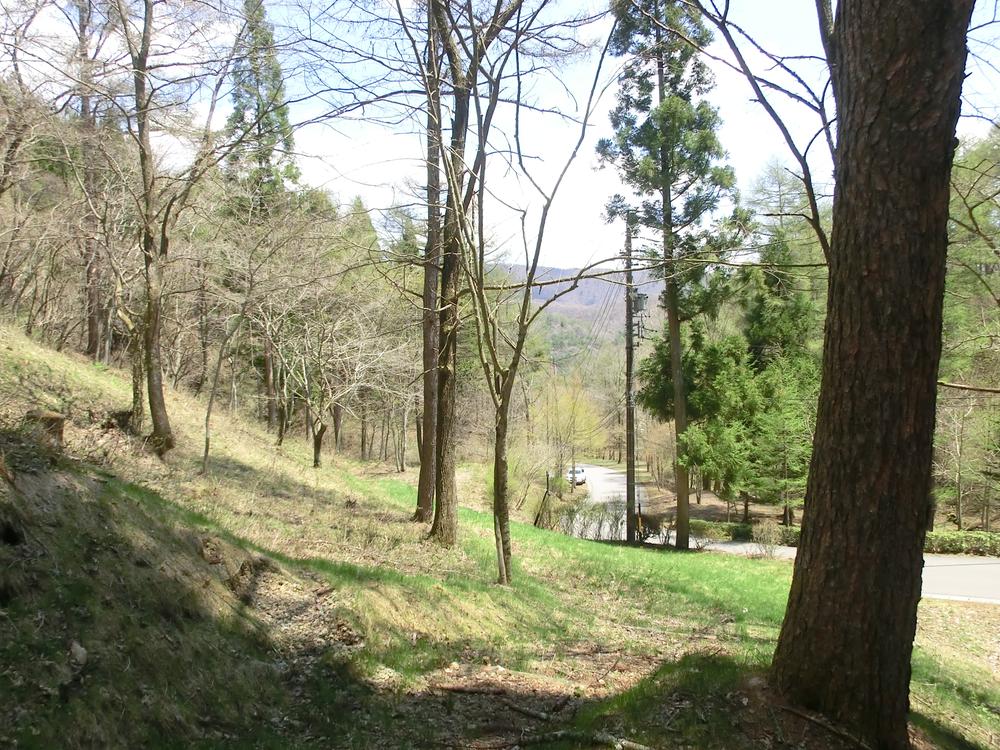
(691, 626)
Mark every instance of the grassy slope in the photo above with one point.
(646, 644)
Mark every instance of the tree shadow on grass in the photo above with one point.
(941, 736)
(709, 700)
(299, 498)
(175, 658)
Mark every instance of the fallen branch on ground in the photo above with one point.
(534, 714)
(595, 738)
(821, 722)
(471, 689)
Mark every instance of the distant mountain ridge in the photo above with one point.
(593, 295)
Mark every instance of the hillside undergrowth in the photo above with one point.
(268, 603)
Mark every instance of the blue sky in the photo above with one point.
(383, 165)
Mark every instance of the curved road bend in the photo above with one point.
(958, 577)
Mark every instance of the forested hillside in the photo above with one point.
(324, 330)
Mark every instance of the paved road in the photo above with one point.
(603, 515)
(959, 577)
(606, 484)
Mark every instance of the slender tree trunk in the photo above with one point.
(153, 251)
(162, 438)
(445, 523)
(138, 414)
(432, 257)
(269, 390)
(444, 528)
(631, 520)
(897, 73)
(214, 387)
(503, 575)
(501, 500)
(338, 427)
(233, 382)
(95, 316)
(988, 509)
(284, 405)
(201, 305)
(364, 433)
(403, 436)
(91, 256)
(386, 433)
(317, 441)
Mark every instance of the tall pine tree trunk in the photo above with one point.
(846, 643)
(681, 484)
(670, 257)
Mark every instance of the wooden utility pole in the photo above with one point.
(630, 517)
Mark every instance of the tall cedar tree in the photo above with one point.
(666, 149)
(779, 315)
(897, 70)
(262, 160)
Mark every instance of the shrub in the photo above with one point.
(766, 538)
(789, 535)
(738, 532)
(941, 542)
(963, 542)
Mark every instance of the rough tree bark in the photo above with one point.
(847, 639)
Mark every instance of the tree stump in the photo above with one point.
(47, 426)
